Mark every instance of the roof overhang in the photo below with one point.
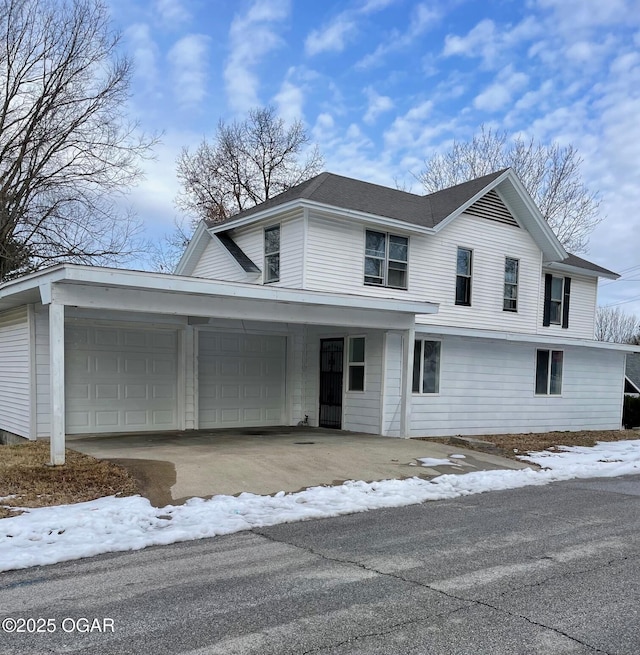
(539, 339)
(139, 291)
(328, 210)
(193, 251)
(576, 270)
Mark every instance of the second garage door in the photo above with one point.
(241, 380)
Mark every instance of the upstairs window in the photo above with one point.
(463, 277)
(549, 372)
(510, 301)
(356, 364)
(426, 367)
(272, 254)
(557, 293)
(385, 260)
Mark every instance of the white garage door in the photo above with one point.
(120, 379)
(241, 380)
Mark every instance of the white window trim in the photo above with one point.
(385, 284)
(548, 394)
(348, 364)
(265, 255)
(470, 276)
(551, 300)
(431, 394)
(517, 286)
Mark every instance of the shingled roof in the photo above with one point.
(578, 262)
(633, 369)
(356, 195)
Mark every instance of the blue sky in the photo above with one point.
(382, 84)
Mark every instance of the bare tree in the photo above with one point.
(67, 150)
(613, 324)
(247, 163)
(550, 173)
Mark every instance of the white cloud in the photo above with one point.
(289, 100)
(500, 93)
(472, 45)
(423, 18)
(577, 16)
(188, 59)
(407, 130)
(491, 43)
(145, 54)
(252, 36)
(371, 6)
(332, 37)
(377, 105)
(172, 13)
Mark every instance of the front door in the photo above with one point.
(331, 364)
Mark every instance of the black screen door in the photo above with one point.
(331, 364)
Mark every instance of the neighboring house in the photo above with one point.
(350, 304)
(632, 375)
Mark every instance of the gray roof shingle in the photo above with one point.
(426, 211)
(348, 193)
(633, 369)
(578, 262)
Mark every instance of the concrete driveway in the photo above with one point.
(172, 467)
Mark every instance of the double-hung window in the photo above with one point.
(385, 259)
(557, 294)
(355, 364)
(463, 277)
(426, 367)
(549, 372)
(272, 254)
(510, 301)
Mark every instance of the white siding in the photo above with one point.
(43, 399)
(291, 253)
(295, 374)
(582, 309)
(189, 386)
(361, 409)
(335, 256)
(216, 263)
(491, 243)
(15, 372)
(392, 385)
(487, 387)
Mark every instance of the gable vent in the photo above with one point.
(492, 208)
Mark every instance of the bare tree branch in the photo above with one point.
(67, 151)
(550, 173)
(247, 163)
(612, 324)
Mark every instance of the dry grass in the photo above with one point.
(511, 445)
(24, 474)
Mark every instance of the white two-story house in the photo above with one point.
(338, 303)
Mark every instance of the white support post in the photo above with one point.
(408, 340)
(56, 382)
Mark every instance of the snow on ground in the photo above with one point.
(435, 461)
(66, 532)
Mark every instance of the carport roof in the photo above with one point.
(113, 289)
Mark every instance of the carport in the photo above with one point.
(117, 351)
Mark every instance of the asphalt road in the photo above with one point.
(546, 570)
